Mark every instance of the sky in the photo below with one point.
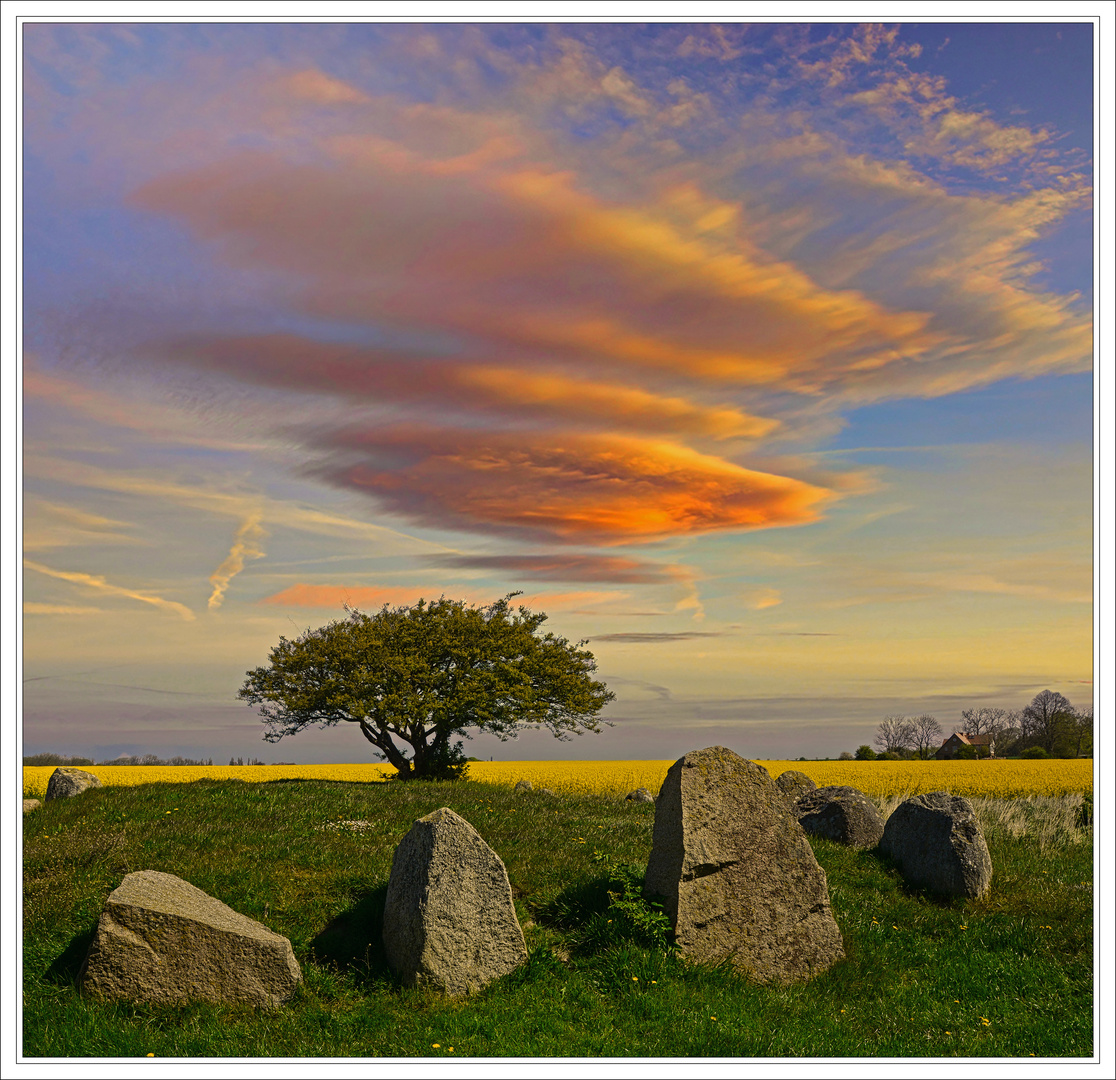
(759, 355)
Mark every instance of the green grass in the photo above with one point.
(921, 977)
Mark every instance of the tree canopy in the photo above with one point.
(411, 678)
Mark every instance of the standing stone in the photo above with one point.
(938, 844)
(842, 814)
(161, 940)
(449, 920)
(522, 786)
(66, 782)
(793, 784)
(736, 872)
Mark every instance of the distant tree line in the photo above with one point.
(1050, 726)
(123, 759)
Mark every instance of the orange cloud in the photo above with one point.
(568, 486)
(297, 363)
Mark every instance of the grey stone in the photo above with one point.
(842, 814)
(162, 940)
(736, 872)
(641, 794)
(793, 783)
(449, 920)
(547, 791)
(937, 843)
(522, 785)
(65, 782)
(31, 804)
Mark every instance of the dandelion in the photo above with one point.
(435, 1046)
(985, 1021)
(449, 1049)
(894, 927)
(712, 1018)
(635, 978)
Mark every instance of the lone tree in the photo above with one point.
(412, 678)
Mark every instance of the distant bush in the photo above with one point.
(56, 759)
(1033, 752)
(845, 756)
(152, 759)
(865, 753)
(889, 755)
(967, 753)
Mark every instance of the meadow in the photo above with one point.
(1007, 976)
(880, 779)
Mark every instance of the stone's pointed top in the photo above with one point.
(443, 814)
(735, 870)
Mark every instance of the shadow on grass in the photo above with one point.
(910, 889)
(66, 967)
(353, 942)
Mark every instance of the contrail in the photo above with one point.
(245, 546)
(96, 582)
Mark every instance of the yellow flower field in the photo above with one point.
(996, 779)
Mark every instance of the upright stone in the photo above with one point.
(842, 814)
(161, 940)
(938, 844)
(449, 920)
(736, 871)
(67, 782)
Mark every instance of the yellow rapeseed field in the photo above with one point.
(994, 779)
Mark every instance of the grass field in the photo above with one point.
(1000, 779)
(1007, 976)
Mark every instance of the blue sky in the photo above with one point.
(759, 355)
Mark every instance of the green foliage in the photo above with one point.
(415, 677)
(888, 755)
(1033, 752)
(865, 753)
(966, 753)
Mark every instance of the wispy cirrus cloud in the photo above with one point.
(247, 544)
(99, 584)
(559, 566)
